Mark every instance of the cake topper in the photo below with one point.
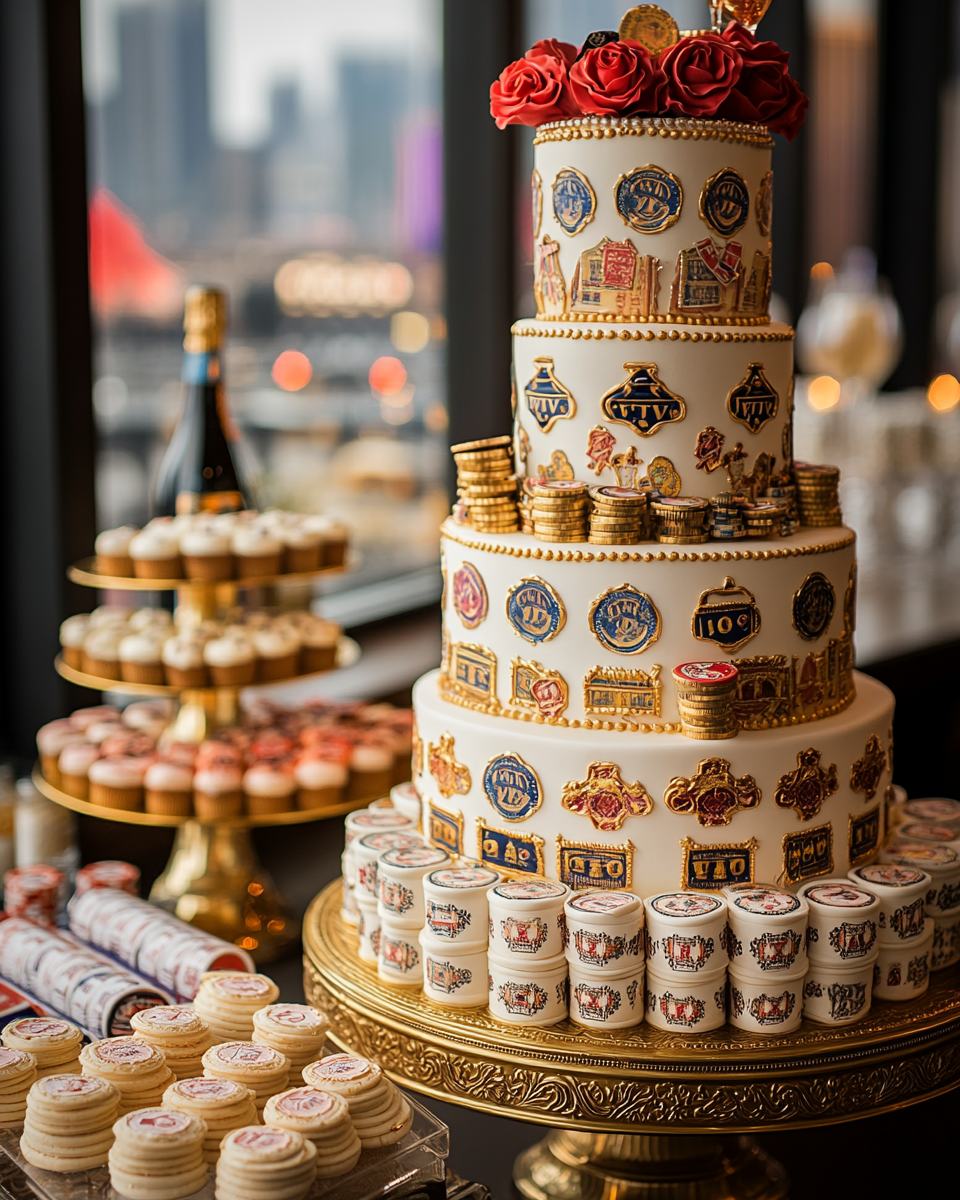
(599, 37)
(651, 26)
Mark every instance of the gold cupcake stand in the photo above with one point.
(618, 1100)
(213, 878)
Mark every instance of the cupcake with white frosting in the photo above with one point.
(371, 771)
(112, 549)
(334, 535)
(150, 618)
(83, 718)
(155, 552)
(109, 614)
(231, 660)
(218, 792)
(168, 789)
(206, 554)
(257, 551)
(278, 651)
(73, 632)
(319, 781)
(149, 716)
(140, 657)
(74, 764)
(118, 782)
(101, 651)
(182, 659)
(269, 788)
(318, 645)
(302, 547)
(52, 738)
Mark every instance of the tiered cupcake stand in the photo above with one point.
(213, 878)
(617, 1101)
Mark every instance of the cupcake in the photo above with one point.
(217, 792)
(112, 548)
(101, 651)
(109, 614)
(278, 652)
(51, 740)
(117, 782)
(156, 554)
(150, 618)
(75, 761)
(149, 716)
(371, 771)
(257, 551)
(182, 659)
(269, 787)
(334, 537)
(73, 631)
(206, 554)
(83, 718)
(231, 660)
(302, 547)
(139, 655)
(319, 781)
(168, 789)
(184, 753)
(99, 731)
(128, 743)
(318, 645)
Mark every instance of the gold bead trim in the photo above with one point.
(648, 335)
(451, 532)
(652, 319)
(679, 128)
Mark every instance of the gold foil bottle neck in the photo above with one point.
(204, 319)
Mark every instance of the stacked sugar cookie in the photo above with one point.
(18, 1074)
(137, 1070)
(323, 1119)
(54, 1044)
(222, 1104)
(179, 1033)
(261, 1068)
(380, 1114)
(296, 1030)
(158, 1155)
(265, 1164)
(69, 1122)
(227, 1001)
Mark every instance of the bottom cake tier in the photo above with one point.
(654, 812)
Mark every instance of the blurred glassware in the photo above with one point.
(851, 328)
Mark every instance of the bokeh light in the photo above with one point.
(409, 332)
(292, 371)
(944, 393)
(387, 376)
(821, 270)
(823, 392)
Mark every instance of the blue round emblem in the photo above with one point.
(535, 610)
(512, 787)
(625, 620)
(574, 200)
(649, 199)
(725, 202)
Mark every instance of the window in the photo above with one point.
(291, 152)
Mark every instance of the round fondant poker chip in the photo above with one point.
(839, 895)
(889, 875)
(706, 674)
(765, 902)
(605, 902)
(685, 905)
(463, 877)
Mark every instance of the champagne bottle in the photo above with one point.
(198, 472)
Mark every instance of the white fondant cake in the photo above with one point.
(550, 742)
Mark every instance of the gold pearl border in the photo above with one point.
(678, 128)
(449, 531)
(667, 318)
(648, 335)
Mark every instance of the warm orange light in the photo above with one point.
(944, 393)
(436, 419)
(821, 270)
(292, 371)
(387, 376)
(823, 393)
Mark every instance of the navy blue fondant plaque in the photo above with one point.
(512, 787)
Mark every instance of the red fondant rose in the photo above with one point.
(765, 92)
(700, 73)
(531, 91)
(551, 48)
(619, 77)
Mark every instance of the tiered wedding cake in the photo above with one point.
(550, 740)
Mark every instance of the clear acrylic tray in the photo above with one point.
(414, 1167)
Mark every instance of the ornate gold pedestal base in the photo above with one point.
(568, 1165)
(214, 881)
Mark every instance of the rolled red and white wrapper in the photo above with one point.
(112, 874)
(152, 942)
(33, 893)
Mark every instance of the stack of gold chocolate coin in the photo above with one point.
(487, 485)
(618, 516)
(705, 693)
(525, 503)
(786, 493)
(560, 510)
(681, 520)
(818, 500)
(764, 518)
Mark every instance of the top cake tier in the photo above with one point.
(653, 219)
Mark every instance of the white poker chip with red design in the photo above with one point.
(158, 1155)
(322, 1117)
(69, 1122)
(227, 1001)
(297, 1030)
(378, 1110)
(265, 1070)
(222, 1104)
(55, 1044)
(138, 1071)
(265, 1164)
(179, 1032)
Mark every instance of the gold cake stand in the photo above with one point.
(213, 878)
(618, 1099)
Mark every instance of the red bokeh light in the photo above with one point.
(292, 371)
(388, 376)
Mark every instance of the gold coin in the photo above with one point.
(483, 444)
(558, 537)
(468, 477)
(561, 489)
(689, 540)
(649, 25)
(560, 527)
(614, 527)
(601, 539)
(504, 501)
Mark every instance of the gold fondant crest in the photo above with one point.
(605, 797)
(713, 795)
(452, 777)
(806, 788)
(866, 772)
